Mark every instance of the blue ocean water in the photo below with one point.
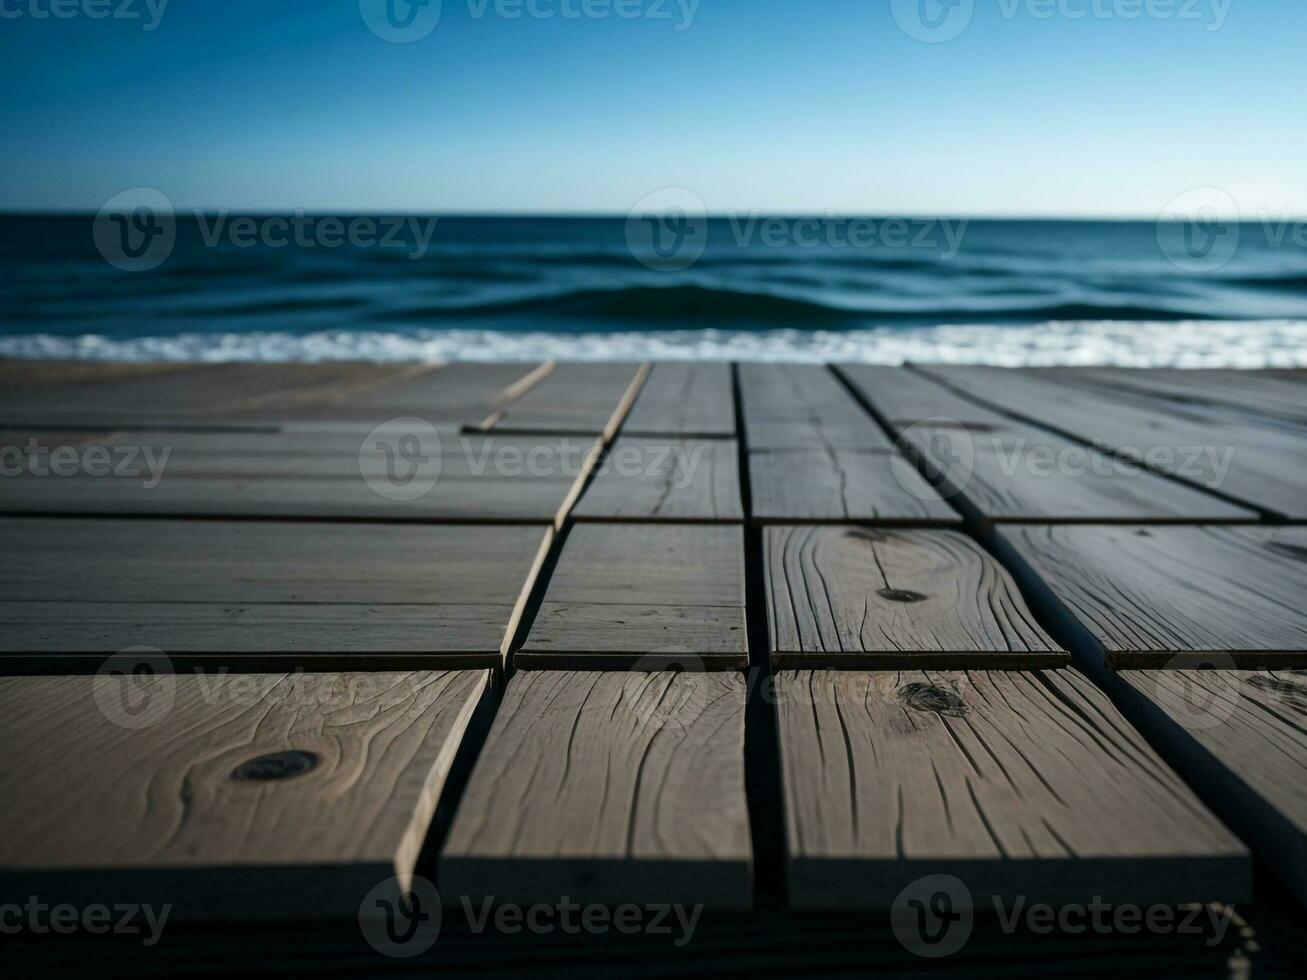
(749, 286)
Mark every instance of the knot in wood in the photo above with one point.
(278, 765)
(932, 697)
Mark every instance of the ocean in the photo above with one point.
(310, 287)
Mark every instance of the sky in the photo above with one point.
(1044, 108)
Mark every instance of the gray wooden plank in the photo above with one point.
(877, 599)
(1240, 738)
(1259, 394)
(1022, 473)
(574, 398)
(803, 407)
(607, 788)
(1166, 596)
(444, 594)
(313, 473)
(903, 397)
(658, 479)
(685, 399)
(1264, 465)
(643, 594)
(842, 486)
(1014, 784)
(120, 789)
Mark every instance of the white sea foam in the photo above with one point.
(1239, 344)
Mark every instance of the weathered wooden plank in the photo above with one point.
(1007, 470)
(1239, 738)
(803, 407)
(448, 594)
(573, 398)
(404, 472)
(1262, 464)
(1015, 784)
(165, 790)
(1026, 474)
(643, 594)
(607, 788)
(654, 479)
(1165, 596)
(1259, 394)
(685, 399)
(871, 598)
(842, 486)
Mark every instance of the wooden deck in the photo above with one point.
(768, 639)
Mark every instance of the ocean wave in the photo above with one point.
(1237, 344)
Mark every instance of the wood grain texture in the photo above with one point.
(685, 399)
(1263, 464)
(1016, 783)
(859, 597)
(903, 397)
(652, 595)
(1025, 474)
(1240, 738)
(330, 473)
(100, 812)
(654, 479)
(803, 407)
(1164, 596)
(83, 586)
(842, 486)
(574, 398)
(607, 788)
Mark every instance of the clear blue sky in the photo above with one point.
(778, 105)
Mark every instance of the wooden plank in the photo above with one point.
(119, 792)
(574, 398)
(1003, 469)
(1263, 465)
(903, 397)
(1258, 394)
(607, 788)
(1023, 473)
(210, 589)
(652, 479)
(689, 400)
(1015, 784)
(803, 407)
(1167, 596)
(643, 594)
(1240, 738)
(315, 473)
(858, 597)
(842, 486)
